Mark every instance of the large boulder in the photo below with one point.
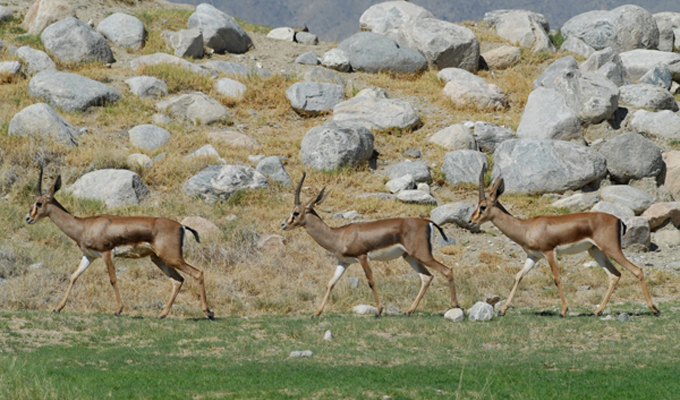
(149, 137)
(314, 97)
(502, 57)
(73, 40)
(628, 196)
(547, 116)
(336, 144)
(372, 52)
(672, 178)
(463, 166)
(185, 43)
(40, 120)
(386, 18)
(575, 45)
(11, 68)
(115, 187)
(196, 107)
(624, 28)
(35, 60)
(668, 21)
(336, 59)
(5, 14)
(230, 68)
(467, 89)
(377, 113)
(638, 62)
(558, 68)
(488, 136)
(536, 166)
(444, 44)
(230, 88)
(123, 30)
(147, 86)
(272, 168)
(44, 13)
(220, 31)
(659, 75)
(418, 170)
(70, 92)
(592, 97)
(455, 137)
(644, 95)
(325, 75)
(457, 213)
(631, 156)
(658, 214)
(618, 210)
(665, 123)
(164, 58)
(481, 311)
(219, 182)
(607, 63)
(522, 28)
(637, 232)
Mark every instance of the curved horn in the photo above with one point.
(297, 191)
(482, 196)
(38, 189)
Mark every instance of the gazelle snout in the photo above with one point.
(29, 220)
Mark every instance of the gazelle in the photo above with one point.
(109, 236)
(549, 235)
(382, 240)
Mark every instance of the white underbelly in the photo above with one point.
(387, 253)
(576, 247)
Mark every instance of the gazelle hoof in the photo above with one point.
(501, 314)
(210, 314)
(116, 314)
(656, 311)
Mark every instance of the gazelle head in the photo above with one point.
(39, 208)
(300, 211)
(483, 211)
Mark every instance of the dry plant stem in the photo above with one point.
(383, 240)
(546, 236)
(107, 236)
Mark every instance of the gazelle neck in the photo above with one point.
(323, 234)
(511, 227)
(69, 224)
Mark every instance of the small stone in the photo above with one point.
(141, 160)
(299, 354)
(481, 311)
(351, 215)
(413, 153)
(607, 318)
(455, 315)
(624, 317)
(583, 288)
(363, 309)
(328, 335)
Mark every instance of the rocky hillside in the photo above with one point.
(150, 108)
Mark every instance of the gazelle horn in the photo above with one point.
(482, 196)
(297, 191)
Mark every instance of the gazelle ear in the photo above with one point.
(55, 187)
(498, 188)
(318, 199)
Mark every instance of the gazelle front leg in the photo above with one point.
(84, 263)
(531, 261)
(363, 260)
(550, 255)
(341, 268)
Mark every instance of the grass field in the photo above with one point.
(529, 354)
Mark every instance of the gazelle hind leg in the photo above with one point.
(613, 274)
(550, 256)
(197, 274)
(363, 260)
(425, 279)
(618, 256)
(339, 271)
(528, 265)
(448, 273)
(176, 279)
(108, 260)
(84, 263)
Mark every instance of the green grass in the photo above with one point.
(525, 355)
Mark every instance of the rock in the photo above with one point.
(319, 74)
(576, 203)
(624, 28)
(5, 14)
(592, 97)
(623, 317)
(575, 45)
(667, 238)
(328, 335)
(454, 137)
(220, 31)
(457, 213)
(413, 153)
(148, 137)
(73, 40)
(547, 116)
(314, 97)
(558, 68)
(372, 52)
(463, 166)
(659, 213)
(464, 88)
(416, 197)
(418, 170)
(272, 168)
(373, 91)
(335, 144)
(489, 136)
(633, 198)
(352, 215)
(619, 211)
(139, 160)
(377, 113)
(40, 120)
(271, 243)
(123, 30)
(637, 232)
(230, 68)
(299, 354)
(207, 151)
(522, 28)
(185, 43)
(10, 68)
(163, 58)
(481, 311)
(43, 13)
(114, 187)
(386, 18)
(638, 62)
(664, 124)
(444, 44)
(306, 38)
(218, 182)
(614, 73)
(233, 139)
(230, 88)
(196, 107)
(424, 187)
(147, 87)
(669, 30)
(672, 178)
(363, 309)
(285, 34)
(308, 58)
(336, 59)
(659, 75)
(631, 156)
(502, 57)
(353, 282)
(70, 92)
(455, 315)
(35, 60)
(201, 225)
(548, 166)
(405, 182)
(607, 63)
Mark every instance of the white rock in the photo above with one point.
(455, 315)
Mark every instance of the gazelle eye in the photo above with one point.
(38, 204)
(482, 208)
(296, 214)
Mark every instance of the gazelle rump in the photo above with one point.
(109, 236)
(549, 235)
(382, 240)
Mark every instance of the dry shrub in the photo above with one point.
(490, 259)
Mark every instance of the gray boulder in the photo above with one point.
(272, 168)
(457, 213)
(599, 58)
(455, 137)
(336, 59)
(481, 311)
(377, 113)
(659, 75)
(638, 62)
(147, 86)
(149, 137)
(284, 33)
(336, 144)
(219, 182)
(185, 43)
(631, 156)
(637, 232)
(314, 97)
(230, 68)
(521, 27)
(115, 187)
(230, 88)
(444, 44)
(577, 46)
(628, 196)
(196, 107)
(73, 40)
(307, 38)
(319, 74)
(464, 88)
(488, 136)
(618, 210)
(556, 69)
(615, 73)
(43, 13)
(592, 97)
(164, 58)
(418, 170)
(386, 18)
(536, 166)
(5, 14)
(405, 182)
(35, 60)
(10, 68)
(547, 116)
(665, 123)
(372, 52)
(416, 197)
(123, 30)
(308, 58)
(455, 315)
(576, 203)
(644, 95)
(70, 92)
(502, 57)
(624, 28)
(40, 120)
(207, 151)
(463, 166)
(220, 31)
(669, 30)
